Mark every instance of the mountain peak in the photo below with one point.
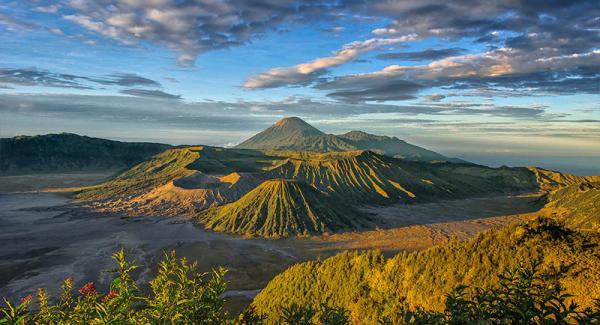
(293, 133)
(280, 208)
(294, 122)
(362, 136)
(284, 133)
(356, 133)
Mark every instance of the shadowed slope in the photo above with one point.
(393, 147)
(280, 208)
(322, 143)
(188, 195)
(180, 181)
(549, 179)
(68, 152)
(145, 176)
(186, 179)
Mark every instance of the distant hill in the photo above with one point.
(369, 285)
(392, 146)
(67, 152)
(281, 208)
(292, 133)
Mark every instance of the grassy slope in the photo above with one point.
(368, 284)
(550, 180)
(70, 152)
(578, 205)
(364, 176)
(174, 164)
(356, 176)
(158, 170)
(350, 178)
(280, 208)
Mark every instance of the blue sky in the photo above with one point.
(504, 83)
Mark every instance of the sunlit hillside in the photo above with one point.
(369, 285)
(280, 208)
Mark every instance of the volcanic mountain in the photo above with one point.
(186, 180)
(292, 133)
(281, 208)
(285, 134)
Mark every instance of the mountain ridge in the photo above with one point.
(60, 152)
(293, 133)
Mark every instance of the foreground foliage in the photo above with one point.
(179, 294)
(523, 296)
(369, 285)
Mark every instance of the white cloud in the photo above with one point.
(307, 72)
(49, 9)
(15, 24)
(188, 27)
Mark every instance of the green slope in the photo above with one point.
(368, 285)
(281, 208)
(577, 205)
(70, 152)
(174, 164)
(364, 176)
(549, 180)
(142, 178)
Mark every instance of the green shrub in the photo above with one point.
(180, 294)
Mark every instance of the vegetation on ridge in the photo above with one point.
(577, 205)
(369, 285)
(188, 180)
(156, 171)
(180, 294)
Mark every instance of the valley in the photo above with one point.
(47, 239)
